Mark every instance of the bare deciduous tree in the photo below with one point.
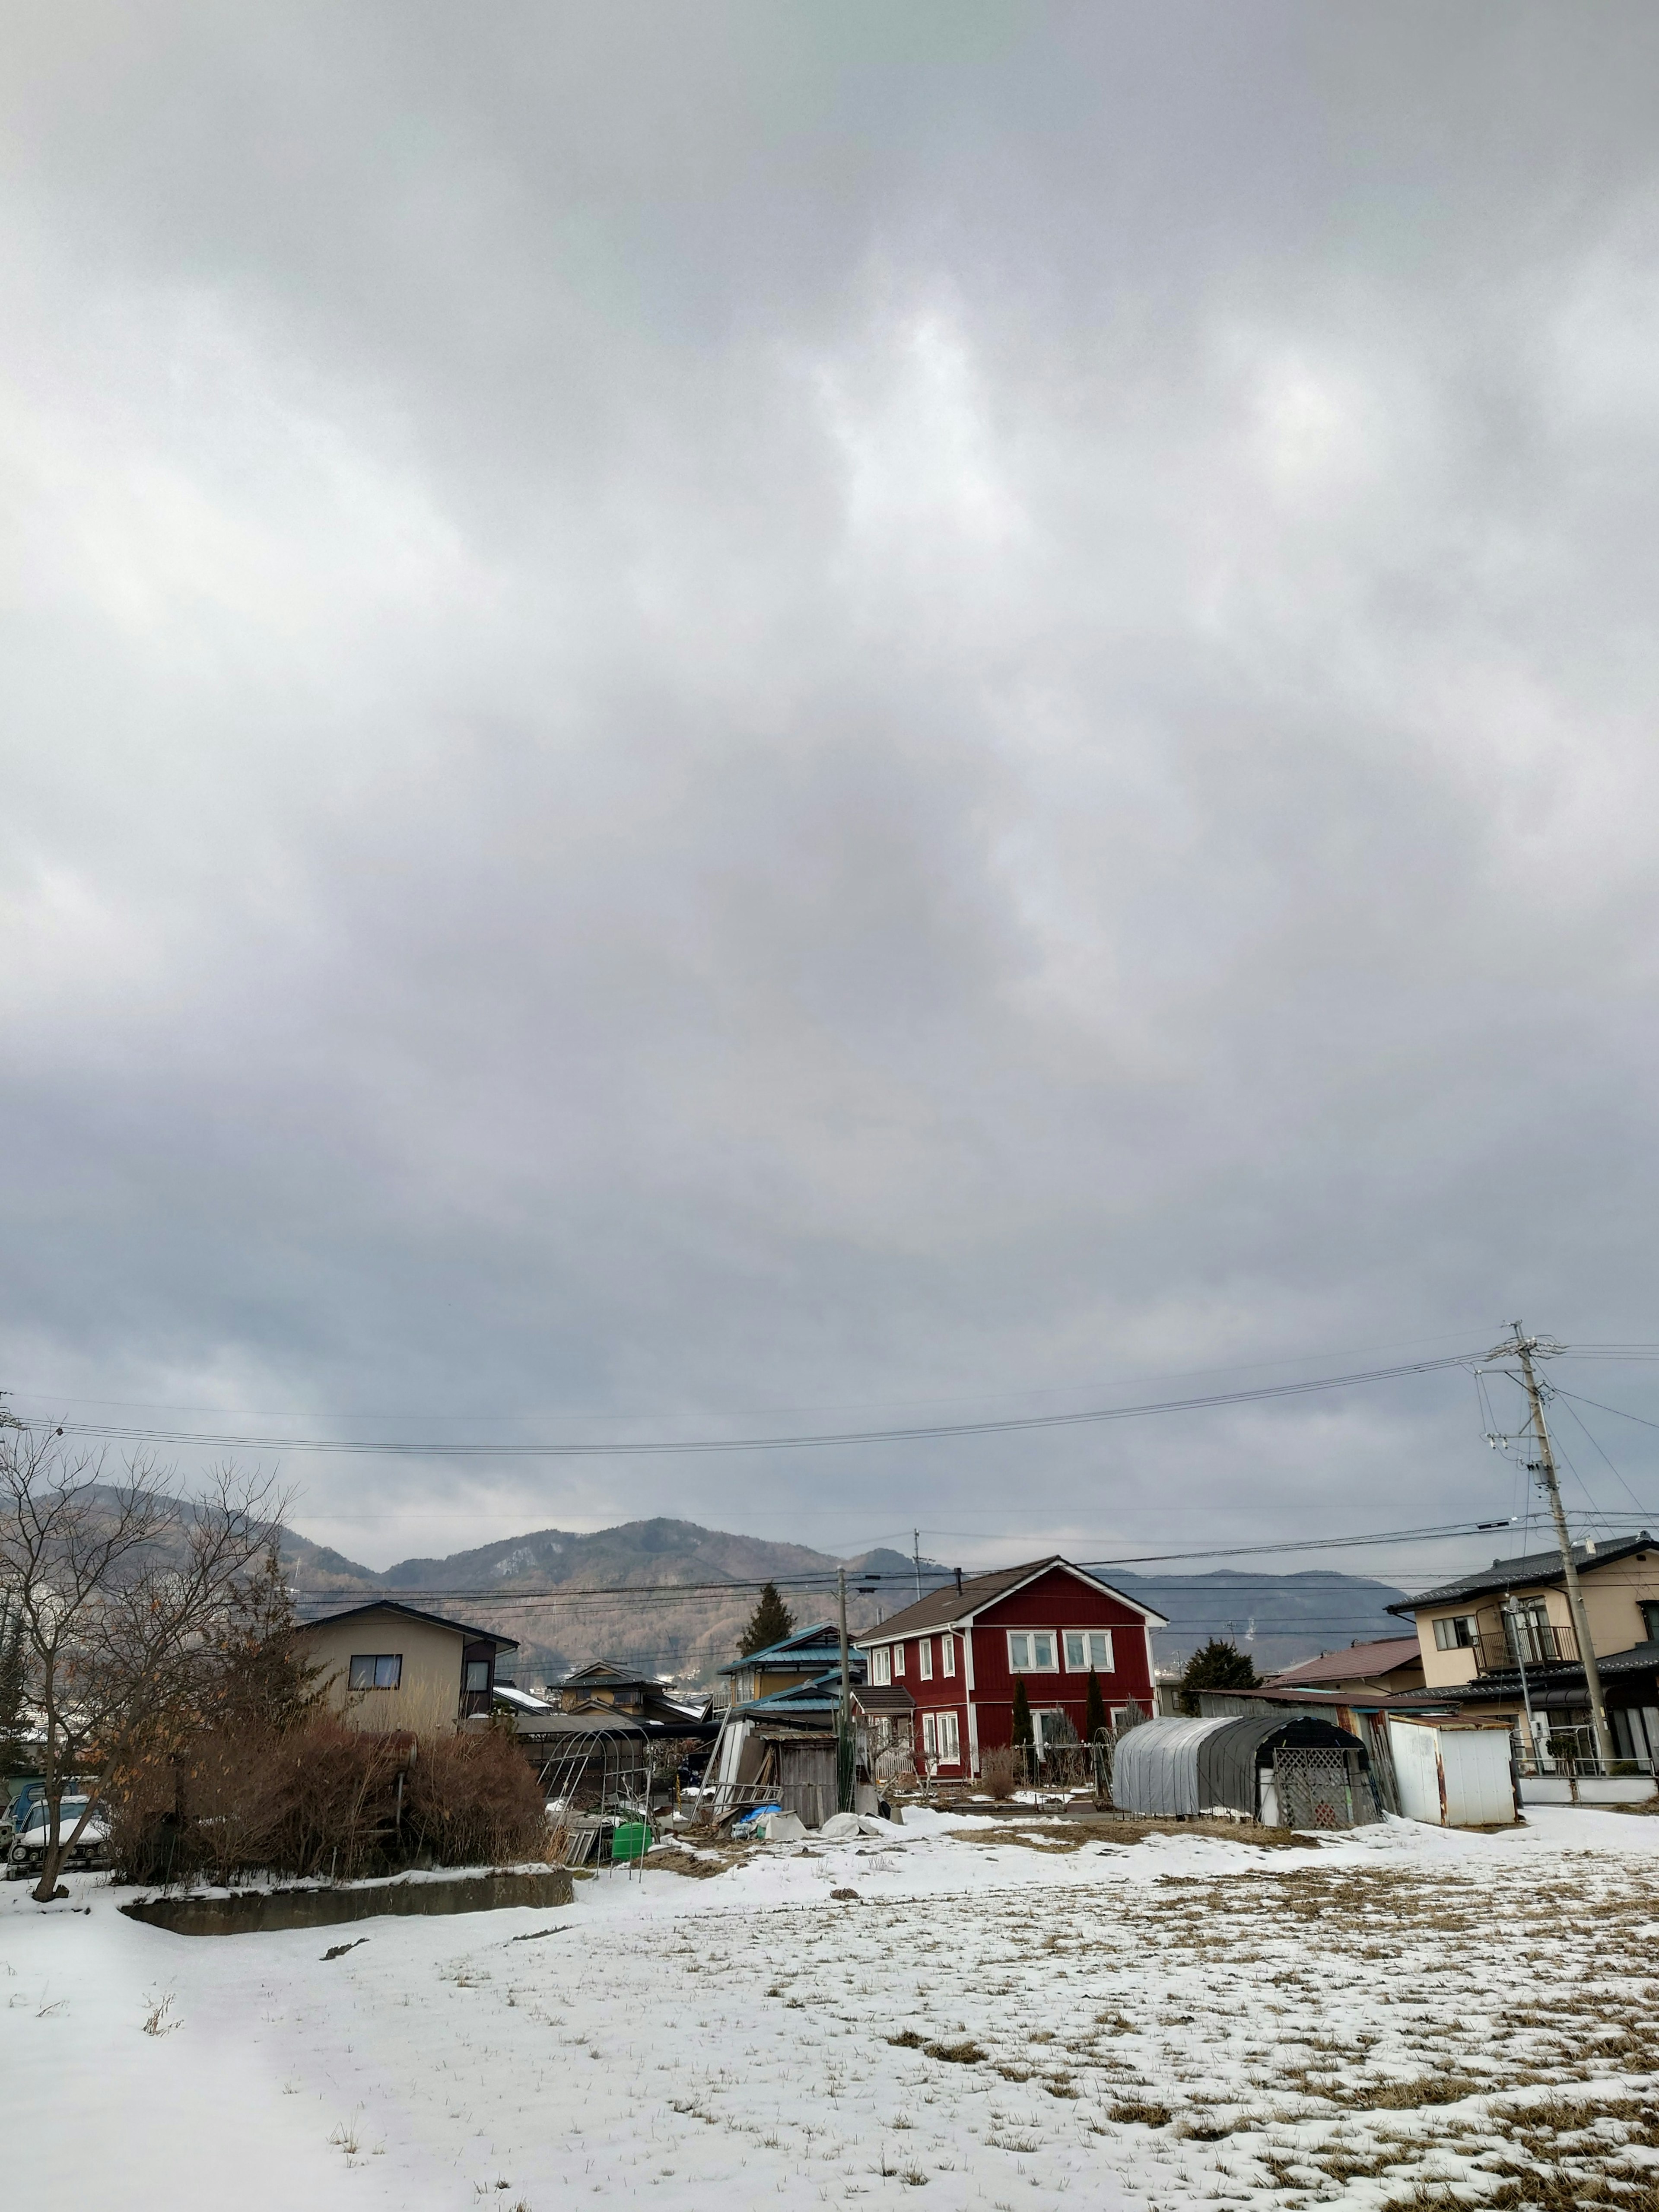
(117, 1589)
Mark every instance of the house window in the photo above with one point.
(930, 1735)
(947, 1652)
(1031, 1651)
(477, 1674)
(898, 1659)
(881, 1664)
(925, 1658)
(949, 1740)
(1456, 1633)
(1086, 1648)
(376, 1670)
(1650, 1621)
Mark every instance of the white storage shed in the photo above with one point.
(1454, 1774)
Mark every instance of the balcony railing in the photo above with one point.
(1526, 1644)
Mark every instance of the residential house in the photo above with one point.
(603, 1687)
(390, 1666)
(1502, 1640)
(778, 1746)
(800, 1658)
(1391, 1664)
(959, 1650)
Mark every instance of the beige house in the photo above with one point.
(390, 1666)
(1517, 1609)
(1393, 1663)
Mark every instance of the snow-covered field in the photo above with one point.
(1005, 2023)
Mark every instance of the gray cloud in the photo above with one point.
(714, 711)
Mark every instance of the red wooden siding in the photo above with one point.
(1056, 1601)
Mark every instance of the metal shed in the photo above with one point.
(1298, 1773)
(1454, 1774)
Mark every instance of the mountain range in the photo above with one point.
(672, 1598)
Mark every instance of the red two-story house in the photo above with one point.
(958, 1651)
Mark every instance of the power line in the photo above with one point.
(658, 1593)
(1641, 1419)
(686, 1445)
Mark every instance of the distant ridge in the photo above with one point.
(1278, 1618)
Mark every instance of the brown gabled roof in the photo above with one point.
(883, 1697)
(948, 1606)
(413, 1612)
(1360, 1662)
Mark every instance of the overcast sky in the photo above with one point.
(815, 714)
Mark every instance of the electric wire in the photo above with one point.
(675, 1447)
(827, 1578)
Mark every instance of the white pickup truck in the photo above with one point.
(26, 1851)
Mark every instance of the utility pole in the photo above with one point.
(845, 1679)
(844, 1790)
(915, 1536)
(1544, 1468)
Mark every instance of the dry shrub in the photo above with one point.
(325, 1799)
(474, 1798)
(1000, 1772)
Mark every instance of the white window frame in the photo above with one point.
(898, 1661)
(930, 1735)
(1446, 1638)
(1086, 1636)
(949, 1738)
(881, 1664)
(1033, 1665)
(925, 1658)
(947, 1652)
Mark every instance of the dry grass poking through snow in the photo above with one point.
(1480, 2030)
(1372, 2037)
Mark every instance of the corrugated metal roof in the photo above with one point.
(1358, 1664)
(801, 1648)
(883, 1697)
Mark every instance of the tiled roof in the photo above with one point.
(605, 1674)
(1530, 1567)
(1639, 1659)
(946, 1606)
(1360, 1662)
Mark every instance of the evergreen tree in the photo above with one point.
(1094, 1717)
(12, 1689)
(768, 1623)
(264, 1676)
(1024, 1734)
(1218, 1666)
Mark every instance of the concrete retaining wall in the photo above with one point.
(257, 1912)
(1586, 1789)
